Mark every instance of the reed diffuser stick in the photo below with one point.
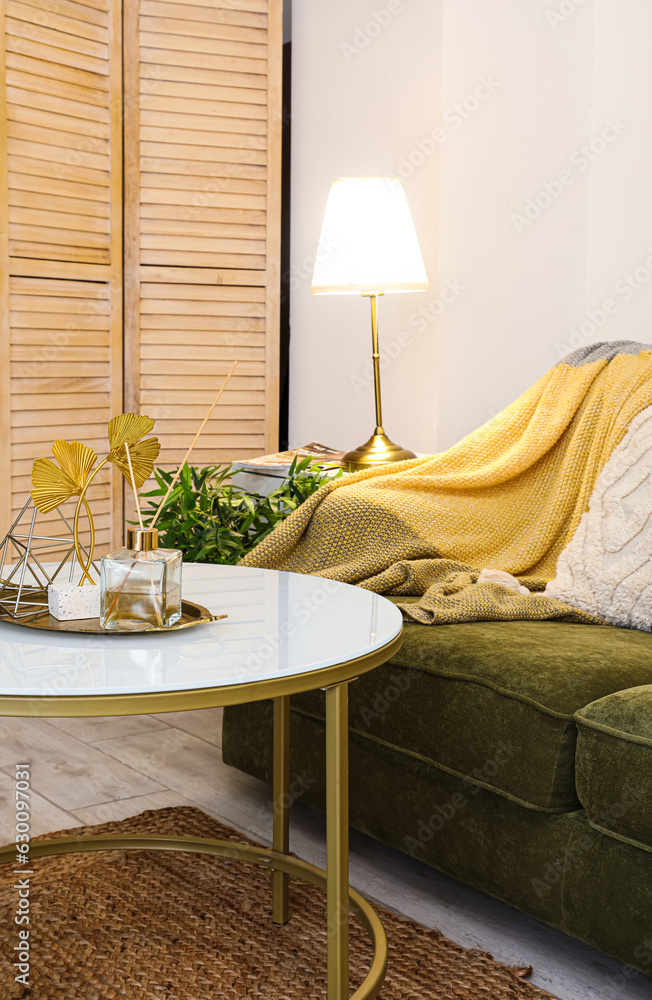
(194, 442)
(133, 486)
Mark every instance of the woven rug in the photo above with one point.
(141, 925)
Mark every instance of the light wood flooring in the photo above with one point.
(95, 770)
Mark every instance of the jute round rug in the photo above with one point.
(152, 925)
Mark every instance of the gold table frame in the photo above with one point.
(340, 897)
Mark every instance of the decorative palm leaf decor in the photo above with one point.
(24, 586)
(54, 484)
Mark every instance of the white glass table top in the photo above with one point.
(278, 625)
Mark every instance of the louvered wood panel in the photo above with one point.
(190, 335)
(61, 382)
(61, 195)
(200, 106)
(202, 216)
(194, 150)
(58, 129)
(5, 381)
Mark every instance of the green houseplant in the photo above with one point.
(213, 521)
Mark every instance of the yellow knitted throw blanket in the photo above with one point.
(509, 496)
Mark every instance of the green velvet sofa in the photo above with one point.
(515, 756)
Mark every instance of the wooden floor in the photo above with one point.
(94, 770)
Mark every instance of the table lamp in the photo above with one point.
(369, 247)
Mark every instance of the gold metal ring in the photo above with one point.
(272, 860)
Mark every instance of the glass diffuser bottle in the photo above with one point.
(141, 584)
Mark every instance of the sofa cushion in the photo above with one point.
(494, 702)
(614, 764)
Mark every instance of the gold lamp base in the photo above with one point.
(378, 450)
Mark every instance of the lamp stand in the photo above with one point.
(378, 450)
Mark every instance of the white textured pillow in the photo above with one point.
(606, 568)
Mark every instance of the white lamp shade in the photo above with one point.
(368, 242)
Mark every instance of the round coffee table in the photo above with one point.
(285, 633)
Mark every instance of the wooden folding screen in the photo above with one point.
(202, 211)
(61, 252)
(197, 115)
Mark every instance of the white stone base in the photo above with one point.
(66, 602)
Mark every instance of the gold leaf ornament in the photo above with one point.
(54, 484)
(129, 429)
(75, 459)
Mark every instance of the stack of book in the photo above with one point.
(264, 474)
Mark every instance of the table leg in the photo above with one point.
(281, 795)
(337, 836)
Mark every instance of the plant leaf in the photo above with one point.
(214, 521)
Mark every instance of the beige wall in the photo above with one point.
(536, 82)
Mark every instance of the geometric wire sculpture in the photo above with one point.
(24, 591)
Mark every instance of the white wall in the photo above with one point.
(620, 207)
(355, 116)
(536, 81)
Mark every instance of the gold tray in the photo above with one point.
(191, 614)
